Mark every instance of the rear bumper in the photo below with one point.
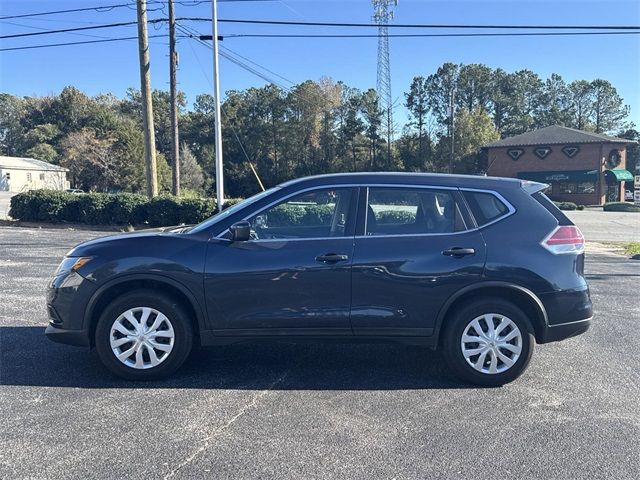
(78, 338)
(554, 333)
(569, 313)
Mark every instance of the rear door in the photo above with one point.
(414, 248)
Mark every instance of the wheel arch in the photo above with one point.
(522, 297)
(129, 283)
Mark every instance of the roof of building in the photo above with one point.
(554, 135)
(22, 163)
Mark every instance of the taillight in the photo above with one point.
(564, 239)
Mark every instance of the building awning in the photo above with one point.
(561, 176)
(618, 175)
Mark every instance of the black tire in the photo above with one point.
(457, 324)
(169, 307)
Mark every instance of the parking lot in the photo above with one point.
(313, 411)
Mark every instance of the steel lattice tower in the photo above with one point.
(381, 15)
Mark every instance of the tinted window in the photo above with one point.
(315, 214)
(399, 211)
(485, 207)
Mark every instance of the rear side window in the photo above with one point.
(485, 207)
(412, 211)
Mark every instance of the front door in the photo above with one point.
(293, 276)
(414, 251)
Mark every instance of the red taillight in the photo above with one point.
(565, 239)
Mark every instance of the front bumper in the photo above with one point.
(67, 298)
(79, 338)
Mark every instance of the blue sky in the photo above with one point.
(112, 67)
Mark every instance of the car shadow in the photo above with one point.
(28, 358)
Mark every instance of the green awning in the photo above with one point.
(618, 175)
(560, 176)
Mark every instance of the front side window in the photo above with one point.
(412, 211)
(315, 214)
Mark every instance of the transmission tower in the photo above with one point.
(382, 13)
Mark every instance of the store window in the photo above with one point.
(577, 187)
(586, 187)
(567, 187)
(28, 177)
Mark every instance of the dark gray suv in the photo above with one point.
(480, 267)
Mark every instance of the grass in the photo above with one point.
(632, 248)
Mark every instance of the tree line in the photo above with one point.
(314, 127)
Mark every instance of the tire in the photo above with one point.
(514, 342)
(155, 351)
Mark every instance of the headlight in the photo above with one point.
(71, 264)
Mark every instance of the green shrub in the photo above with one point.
(580, 207)
(566, 205)
(39, 205)
(620, 207)
(111, 208)
(195, 210)
(288, 215)
(395, 216)
(127, 209)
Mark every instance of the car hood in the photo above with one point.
(87, 248)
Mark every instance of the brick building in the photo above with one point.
(582, 167)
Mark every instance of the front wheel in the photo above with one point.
(143, 336)
(488, 342)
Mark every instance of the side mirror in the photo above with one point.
(240, 231)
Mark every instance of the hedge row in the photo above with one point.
(620, 207)
(110, 208)
(569, 206)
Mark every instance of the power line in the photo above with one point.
(418, 25)
(425, 35)
(190, 32)
(86, 42)
(76, 29)
(108, 8)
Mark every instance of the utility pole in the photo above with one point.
(216, 95)
(173, 65)
(147, 104)
(452, 127)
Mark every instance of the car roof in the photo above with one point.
(404, 178)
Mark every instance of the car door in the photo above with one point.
(413, 250)
(294, 275)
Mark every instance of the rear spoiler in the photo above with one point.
(533, 187)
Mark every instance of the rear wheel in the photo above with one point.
(143, 336)
(488, 342)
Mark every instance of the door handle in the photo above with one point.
(331, 258)
(459, 252)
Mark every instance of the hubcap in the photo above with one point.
(491, 343)
(142, 337)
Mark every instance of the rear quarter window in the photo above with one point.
(551, 207)
(485, 207)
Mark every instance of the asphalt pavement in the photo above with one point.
(600, 226)
(314, 411)
(5, 204)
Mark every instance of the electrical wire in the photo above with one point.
(187, 31)
(416, 25)
(427, 35)
(86, 42)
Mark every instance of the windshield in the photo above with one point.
(231, 210)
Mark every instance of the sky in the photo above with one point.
(113, 67)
